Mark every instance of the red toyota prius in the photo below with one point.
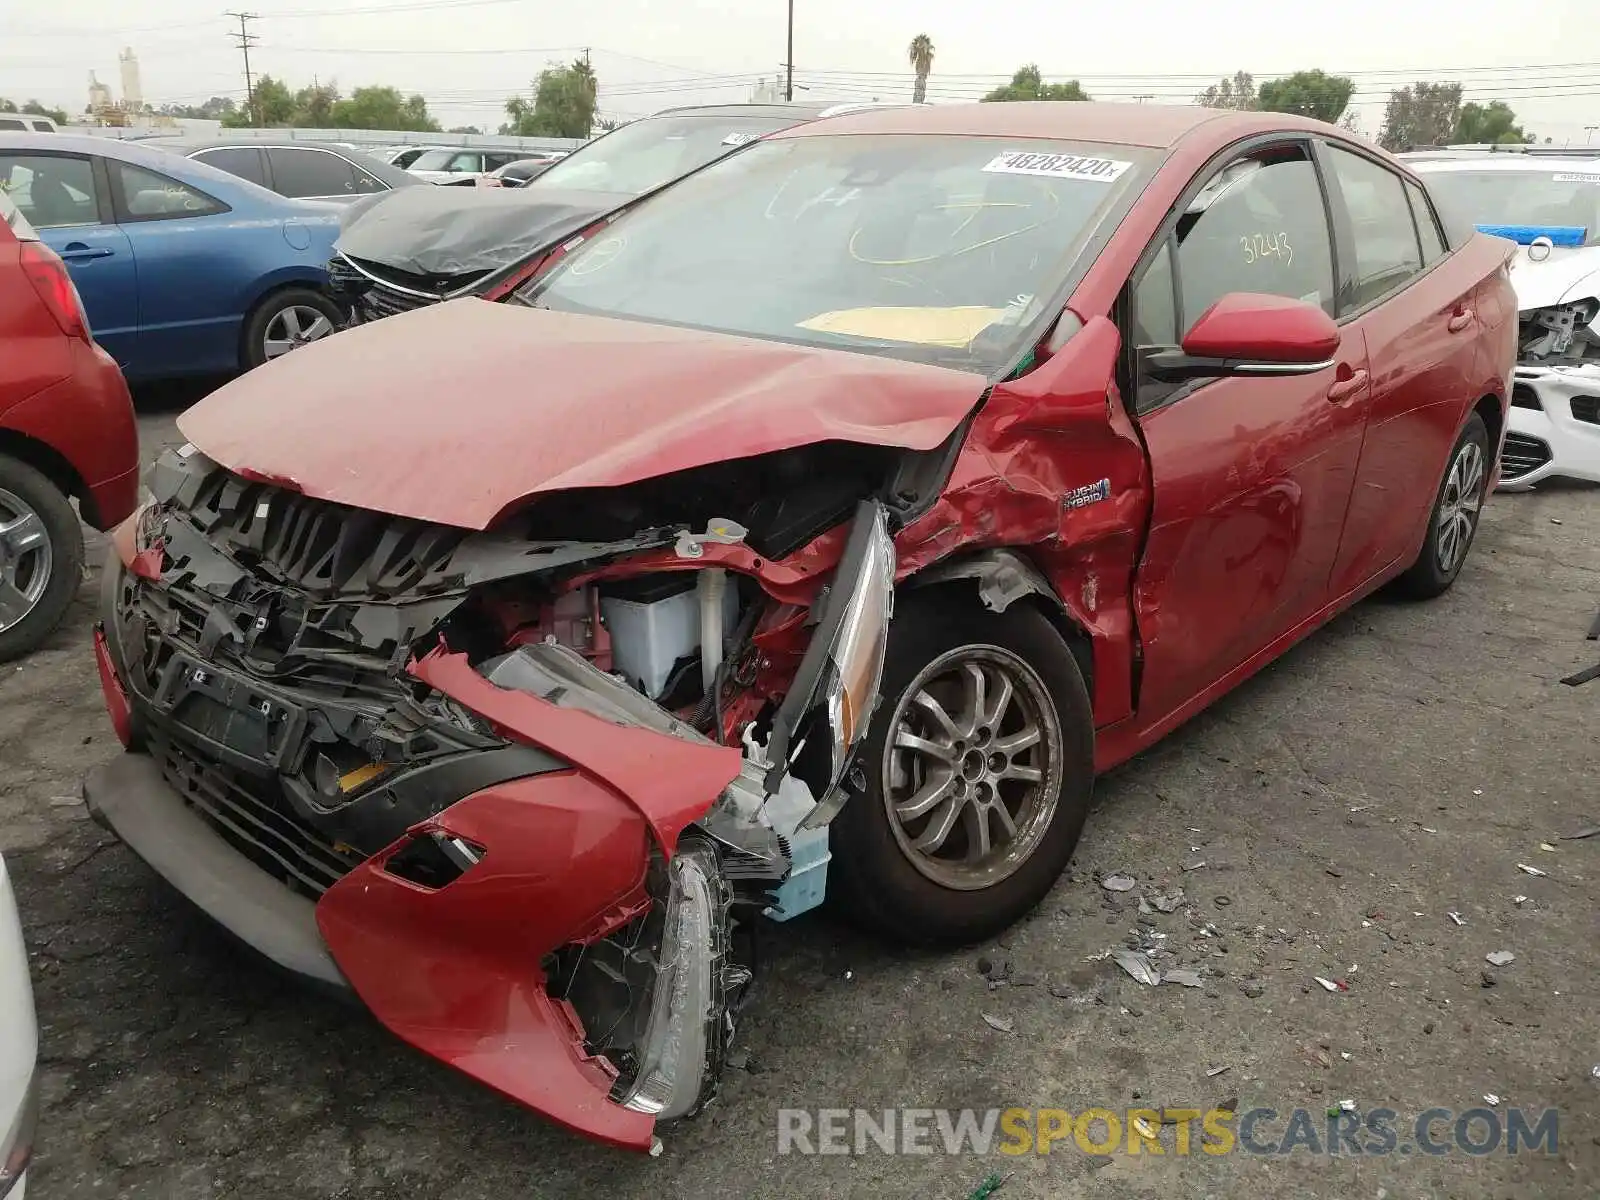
(816, 530)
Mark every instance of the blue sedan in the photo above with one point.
(183, 269)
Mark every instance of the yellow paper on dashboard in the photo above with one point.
(952, 327)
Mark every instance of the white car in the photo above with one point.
(445, 164)
(1550, 206)
(19, 1050)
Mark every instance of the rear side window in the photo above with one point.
(1433, 247)
(151, 196)
(44, 127)
(298, 173)
(51, 190)
(243, 161)
(1387, 255)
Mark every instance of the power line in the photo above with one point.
(246, 39)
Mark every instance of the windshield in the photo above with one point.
(936, 249)
(440, 160)
(642, 156)
(1555, 198)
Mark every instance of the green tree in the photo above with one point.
(34, 108)
(1423, 114)
(1493, 124)
(383, 108)
(315, 105)
(1026, 84)
(1237, 91)
(563, 105)
(218, 108)
(271, 106)
(1314, 94)
(466, 129)
(920, 55)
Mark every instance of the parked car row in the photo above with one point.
(816, 510)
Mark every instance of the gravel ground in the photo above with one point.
(1394, 769)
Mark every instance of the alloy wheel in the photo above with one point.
(1459, 504)
(972, 767)
(292, 328)
(26, 559)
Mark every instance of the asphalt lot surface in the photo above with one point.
(1395, 768)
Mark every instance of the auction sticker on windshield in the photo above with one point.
(1057, 166)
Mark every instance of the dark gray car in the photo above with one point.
(299, 170)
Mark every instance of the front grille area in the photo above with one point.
(1587, 409)
(1522, 455)
(253, 817)
(378, 302)
(327, 549)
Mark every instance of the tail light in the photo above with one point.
(49, 277)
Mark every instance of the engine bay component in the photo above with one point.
(1559, 332)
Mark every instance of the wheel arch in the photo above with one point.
(1489, 408)
(1001, 578)
(50, 463)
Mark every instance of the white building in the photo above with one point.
(132, 89)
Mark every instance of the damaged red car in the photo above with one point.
(818, 531)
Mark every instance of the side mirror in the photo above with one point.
(1245, 333)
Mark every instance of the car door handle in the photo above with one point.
(1460, 320)
(1343, 389)
(78, 252)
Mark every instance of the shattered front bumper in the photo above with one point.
(1554, 426)
(454, 966)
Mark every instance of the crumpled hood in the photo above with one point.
(453, 230)
(1566, 275)
(457, 411)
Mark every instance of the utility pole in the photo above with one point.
(788, 61)
(246, 40)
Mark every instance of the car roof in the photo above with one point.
(1422, 164)
(1152, 125)
(144, 153)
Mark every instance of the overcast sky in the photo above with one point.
(466, 56)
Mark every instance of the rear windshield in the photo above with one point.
(935, 249)
(1558, 198)
(640, 157)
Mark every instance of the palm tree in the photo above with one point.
(920, 56)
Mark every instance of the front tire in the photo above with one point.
(285, 321)
(979, 767)
(41, 558)
(1453, 521)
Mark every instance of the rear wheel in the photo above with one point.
(285, 321)
(41, 558)
(1453, 523)
(979, 768)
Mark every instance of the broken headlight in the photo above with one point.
(687, 1006)
(1559, 331)
(843, 666)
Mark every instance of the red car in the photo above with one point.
(66, 430)
(821, 529)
